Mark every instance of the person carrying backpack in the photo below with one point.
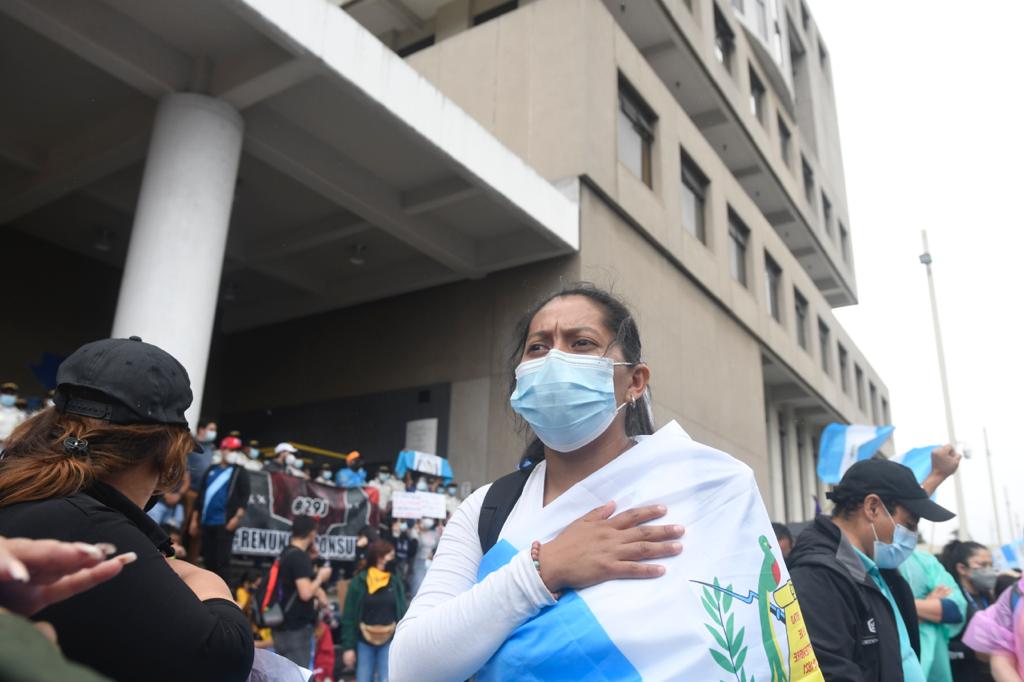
(296, 588)
(571, 568)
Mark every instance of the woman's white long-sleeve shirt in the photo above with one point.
(454, 625)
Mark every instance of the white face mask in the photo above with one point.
(427, 524)
(421, 485)
(216, 459)
(254, 453)
(210, 437)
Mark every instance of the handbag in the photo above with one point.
(378, 635)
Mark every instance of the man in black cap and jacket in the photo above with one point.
(858, 609)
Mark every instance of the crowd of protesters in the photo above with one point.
(123, 520)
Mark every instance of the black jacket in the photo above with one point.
(849, 620)
(238, 491)
(144, 624)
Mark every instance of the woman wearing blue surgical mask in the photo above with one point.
(580, 383)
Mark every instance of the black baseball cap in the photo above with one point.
(890, 481)
(124, 381)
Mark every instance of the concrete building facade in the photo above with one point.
(409, 175)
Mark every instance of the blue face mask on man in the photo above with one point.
(567, 399)
(892, 554)
(8, 400)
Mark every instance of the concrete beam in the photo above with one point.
(325, 170)
(245, 79)
(108, 40)
(448, 191)
(111, 145)
(303, 238)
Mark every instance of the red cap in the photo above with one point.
(231, 443)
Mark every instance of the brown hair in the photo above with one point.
(35, 465)
(378, 550)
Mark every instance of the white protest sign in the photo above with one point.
(418, 505)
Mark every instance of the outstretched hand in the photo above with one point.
(37, 573)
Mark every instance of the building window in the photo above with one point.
(761, 19)
(805, 16)
(825, 346)
(858, 375)
(636, 133)
(800, 315)
(885, 411)
(844, 242)
(412, 48)
(873, 393)
(783, 446)
(725, 40)
(694, 189)
(844, 369)
(785, 141)
(739, 235)
(772, 286)
(495, 12)
(822, 55)
(826, 214)
(756, 96)
(808, 180)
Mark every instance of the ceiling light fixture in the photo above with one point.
(104, 240)
(358, 256)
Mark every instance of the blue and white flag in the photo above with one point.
(919, 460)
(431, 465)
(844, 444)
(1010, 555)
(724, 610)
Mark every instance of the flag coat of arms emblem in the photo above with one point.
(725, 610)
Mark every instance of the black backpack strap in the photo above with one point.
(498, 503)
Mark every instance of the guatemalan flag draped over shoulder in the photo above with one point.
(844, 444)
(724, 610)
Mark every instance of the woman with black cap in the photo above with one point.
(85, 470)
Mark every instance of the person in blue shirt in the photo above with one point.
(221, 505)
(859, 611)
(352, 474)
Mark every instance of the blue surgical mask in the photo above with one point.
(8, 400)
(254, 453)
(904, 542)
(567, 399)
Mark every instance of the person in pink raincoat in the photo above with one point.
(999, 632)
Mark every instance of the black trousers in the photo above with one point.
(216, 549)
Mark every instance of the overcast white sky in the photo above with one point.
(931, 108)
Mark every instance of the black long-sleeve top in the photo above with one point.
(144, 624)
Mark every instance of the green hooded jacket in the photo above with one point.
(352, 614)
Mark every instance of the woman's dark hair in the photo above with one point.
(378, 550)
(958, 552)
(39, 464)
(620, 322)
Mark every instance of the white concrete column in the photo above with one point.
(794, 497)
(172, 274)
(809, 474)
(778, 489)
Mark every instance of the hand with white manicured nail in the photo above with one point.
(37, 573)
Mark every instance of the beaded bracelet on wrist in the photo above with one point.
(535, 555)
